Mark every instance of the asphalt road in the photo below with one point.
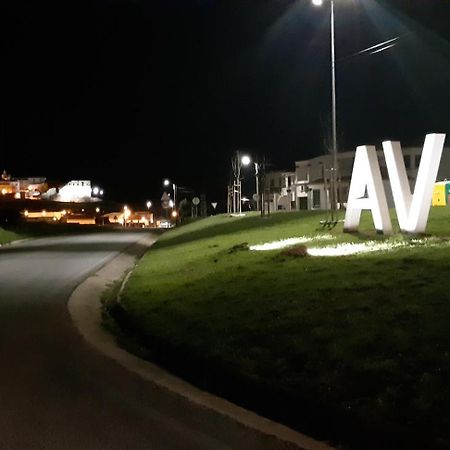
(56, 392)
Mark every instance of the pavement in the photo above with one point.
(58, 391)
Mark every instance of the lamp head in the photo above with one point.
(245, 160)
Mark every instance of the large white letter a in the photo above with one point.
(366, 179)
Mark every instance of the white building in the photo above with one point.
(280, 190)
(75, 191)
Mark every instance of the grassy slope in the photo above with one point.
(362, 342)
(7, 236)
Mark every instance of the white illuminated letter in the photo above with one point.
(366, 177)
(413, 210)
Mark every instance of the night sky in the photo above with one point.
(128, 92)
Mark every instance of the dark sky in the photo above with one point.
(129, 92)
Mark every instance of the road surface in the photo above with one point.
(56, 392)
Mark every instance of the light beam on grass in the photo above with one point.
(344, 249)
(350, 248)
(283, 243)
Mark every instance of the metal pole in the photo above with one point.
(333, 177)
(239, 197)
(174, 196)
(258, 202)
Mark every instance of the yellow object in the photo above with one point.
(439, 198)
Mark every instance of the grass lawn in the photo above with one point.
(353, 349)
(7, 236)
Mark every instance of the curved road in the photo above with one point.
(56, 392)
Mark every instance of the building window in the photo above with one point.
(316, 198)
(417, 161)
(407, 159)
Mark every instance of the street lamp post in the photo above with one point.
(149, 205)
(246, 160)
(258, 200)
(174, 188)
(237, 161)
(334, 168)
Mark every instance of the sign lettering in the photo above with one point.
(412, 209)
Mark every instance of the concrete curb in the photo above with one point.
(85, 308)
(17, 241)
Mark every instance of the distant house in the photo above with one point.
(75, 191)
(20, 188)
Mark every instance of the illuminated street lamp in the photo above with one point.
(334, 169)
(174, 188)
(235, 191)
(246, 160)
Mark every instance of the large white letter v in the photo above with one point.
(413, 210)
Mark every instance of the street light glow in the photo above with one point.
(246, 160)
(149, 204)
(166, 182)
(96, 190)
(317, 2)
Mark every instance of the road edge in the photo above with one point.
(85, 309)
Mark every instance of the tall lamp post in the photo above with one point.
(246, 160)
(334, 169)
(237, 161)
(149, 205)
(174, 188)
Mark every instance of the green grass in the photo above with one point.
(353, 349)
(7, 236)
